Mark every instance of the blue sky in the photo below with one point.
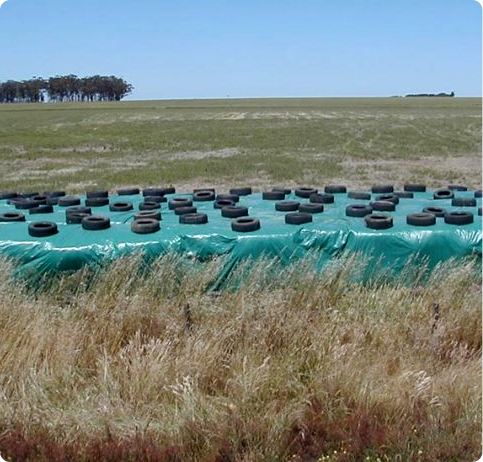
(245, 48)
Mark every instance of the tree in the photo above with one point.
(65, 88)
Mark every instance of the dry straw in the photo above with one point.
(143, 363)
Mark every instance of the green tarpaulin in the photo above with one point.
(331, 231)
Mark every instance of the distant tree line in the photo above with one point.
(64, 88)
(444, 95)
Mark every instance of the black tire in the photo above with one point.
(42, 209)
(463, 202)
(305, 192)
(297, 218)
(121, 207)
(287, 206)
(97, 201)
(436, 211)
(478, 193)
(154, 214)
(245, 224)
(245, 191)
(458, 217)
(443, 193)
(322, 198)
(78, 209)
(24, 204)
(311, 208)
(158, 199)
(383, 206)
(479, 211)
(404, 194)
(168, 190)
(42, 229)
(382, 188)
(179, 202)
(193, 219)
(378, 221)
(286, 191)
(145, 226)
(232, 211)
(335, 189)
(76, 218)
(204, 196)
(149, 205)
(153, 192)
(68, 201)
(40, 200)
(230, 197)
(358, 210)
(7, 195)
(415, 187)
(51, 194)
(219, 204)
(53, 201)
(96, 194)
(204, 189)
(457, 187)
(421, 219)
(388, 197)
(27, 195)
(185, 210)
(95, 222)
(128, 191)
(273, 195)
(363, 195)
(12, 216)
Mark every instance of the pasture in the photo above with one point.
(135, 363)
(258, 142)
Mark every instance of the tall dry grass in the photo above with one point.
(130, 364)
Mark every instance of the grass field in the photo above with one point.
(259, 142)
(139, 364)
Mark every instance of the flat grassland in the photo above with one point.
(144, 364)
(257, 142)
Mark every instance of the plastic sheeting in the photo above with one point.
(331, 232)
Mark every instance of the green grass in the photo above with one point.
(221, 142)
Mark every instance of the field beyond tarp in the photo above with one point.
(331, 232)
